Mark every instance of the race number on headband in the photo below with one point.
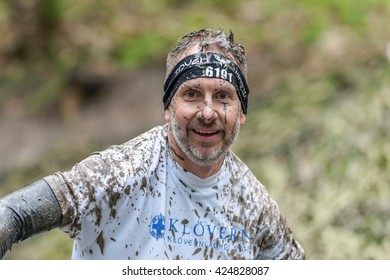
(206, 65)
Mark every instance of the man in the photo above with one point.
(174, 192)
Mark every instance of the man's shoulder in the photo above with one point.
(243, 175)
(155, 135)
(138, 148)
(236, 166)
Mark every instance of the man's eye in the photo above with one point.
(190, 94)
(222, 95)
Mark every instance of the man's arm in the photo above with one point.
(26, 212)
(274, 237)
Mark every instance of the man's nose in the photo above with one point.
(207, 112)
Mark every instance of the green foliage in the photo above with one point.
(50, 12)
(140, 49)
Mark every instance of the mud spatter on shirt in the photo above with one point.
(133, 201)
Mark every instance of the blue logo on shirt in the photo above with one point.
(157, 227)
(159, 224)
(218, 237)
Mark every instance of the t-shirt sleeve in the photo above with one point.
(274, 237)
(87, 194)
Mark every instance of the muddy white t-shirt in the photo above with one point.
(133, 201)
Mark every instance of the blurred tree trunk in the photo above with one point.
(33, 24)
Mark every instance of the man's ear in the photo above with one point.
(167, 115)
(242, 118)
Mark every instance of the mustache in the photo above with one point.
(215, 124)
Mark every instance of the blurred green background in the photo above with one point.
(78, 76)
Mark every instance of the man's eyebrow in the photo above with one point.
(191, 84)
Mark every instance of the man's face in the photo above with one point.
(205, 117)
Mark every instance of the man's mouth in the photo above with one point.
(205, 133)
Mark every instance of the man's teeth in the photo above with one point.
(205, 132)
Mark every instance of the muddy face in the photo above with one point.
(205, 119)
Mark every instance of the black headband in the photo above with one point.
(206, 65)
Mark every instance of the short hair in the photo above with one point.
(209, 39)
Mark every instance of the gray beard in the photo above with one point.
(195, 155)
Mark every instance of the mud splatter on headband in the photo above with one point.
(206, 65)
